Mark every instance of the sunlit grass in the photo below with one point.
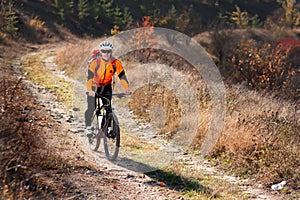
(135, 144)
(38, 73)
(195, 184)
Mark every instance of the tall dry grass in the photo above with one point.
(261, 137)
(73, 57)
(261, 134)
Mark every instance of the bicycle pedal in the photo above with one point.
(111, 135)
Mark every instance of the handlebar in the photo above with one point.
(113, 94)
(119, 95)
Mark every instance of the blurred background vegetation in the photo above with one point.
(97, 17)
(237, 30)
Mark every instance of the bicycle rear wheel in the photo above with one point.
(95, 139)
(112, 140)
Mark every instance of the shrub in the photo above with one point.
(266, 68)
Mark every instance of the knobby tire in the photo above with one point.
(95, 140)
(112, 144)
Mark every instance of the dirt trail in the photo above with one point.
(124, 179)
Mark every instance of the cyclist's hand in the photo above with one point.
(127, 92)
(91, 93)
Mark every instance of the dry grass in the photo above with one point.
(72, 58)
(37, 71)
(260, 138)
(253, 117)
(134, 144)
(23, 152)
(33, 167)
(151, 95)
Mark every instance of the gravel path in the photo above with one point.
(126, 175)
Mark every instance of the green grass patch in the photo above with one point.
(195, 184)
(39, 73)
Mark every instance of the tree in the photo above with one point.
(106, 9)
(9, 19)
(127, 19)
(240, 18)
(83, 9)
(63, 6)
(117, 16)
(292, 14)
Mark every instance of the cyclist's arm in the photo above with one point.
(90, 76)
(124, 81)
(122, 75)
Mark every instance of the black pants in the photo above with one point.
(106, 92)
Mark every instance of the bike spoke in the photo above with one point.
(94, 140)
(111, 140)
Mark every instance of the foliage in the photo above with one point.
(170, 20)
(106, 8)
(115, 30)
(144, 37)
(83, 10)
(292, 14)
(127, 18)
(256, 22)
(242, 19)
(8, 18)
(149, 8)
(93, 13)
(265, 67)
(38, 25)
(97, 17)
(63, 7)
(117, 15)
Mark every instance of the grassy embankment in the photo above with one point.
(260, 138)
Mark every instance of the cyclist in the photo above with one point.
(99, 77)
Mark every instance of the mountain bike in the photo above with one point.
(100, 129)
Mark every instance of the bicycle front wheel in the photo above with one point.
(95, 139)
(112, 138)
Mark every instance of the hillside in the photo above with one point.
(38, 21)
(255, 46)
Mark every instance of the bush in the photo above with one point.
(266, 68)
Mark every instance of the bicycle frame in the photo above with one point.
(100, 106)
(101, 128)
(99, 110)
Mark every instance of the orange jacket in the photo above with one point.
(101, 72)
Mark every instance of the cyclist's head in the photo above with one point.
(106, 45)
(106, 50)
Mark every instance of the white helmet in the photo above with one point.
(106, 45)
